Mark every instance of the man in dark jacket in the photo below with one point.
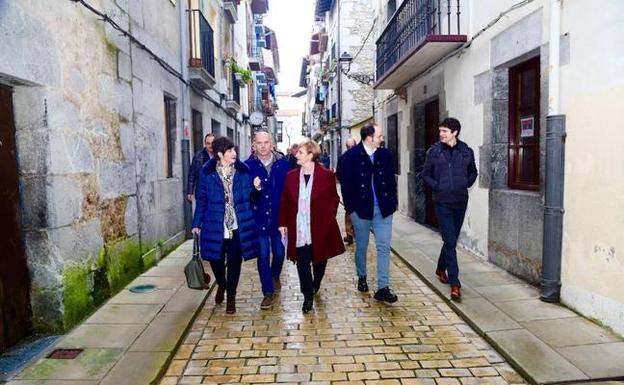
(200, 158)
(271, 167)
(292, 159)
(370, 196)
(449, 171)
(349, 143)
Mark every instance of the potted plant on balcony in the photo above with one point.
(241, 74)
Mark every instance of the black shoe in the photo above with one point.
(317, 287)
(386, 295)
(348, 240)
(307, 305)
(362, 285)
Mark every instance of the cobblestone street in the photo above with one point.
(349, 338)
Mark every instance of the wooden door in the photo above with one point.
(14, 297)
(432, 118)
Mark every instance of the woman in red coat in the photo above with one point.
(308, 219)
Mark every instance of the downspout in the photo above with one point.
(555, 169)
(184, 92)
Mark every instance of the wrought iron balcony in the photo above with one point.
(201, 59)
(419, 34)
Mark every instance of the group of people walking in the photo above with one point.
(270, 208)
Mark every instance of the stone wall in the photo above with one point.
(89, 117)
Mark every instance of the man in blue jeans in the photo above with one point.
(449, 171)
(369, 194)
(271, 167)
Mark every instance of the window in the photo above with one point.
(524, 125)
(392, 141)
(390, 10)
(216, 128)
(170, 132)
(198, 132)
(230, 133)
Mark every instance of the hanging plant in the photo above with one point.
(240, 73)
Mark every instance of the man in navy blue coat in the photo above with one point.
(200, 158)
(449, 171)
(271, 167)
(370, 195)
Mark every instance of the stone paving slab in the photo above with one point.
(545, 363)
(574, 331)
(538, 330)
(52, 382)
(102, 336)
(124, 314)
(125, 371)
(91, 364)
(604, 360)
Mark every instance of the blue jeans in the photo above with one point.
(450, 218)
(382, 228)
(267, 270)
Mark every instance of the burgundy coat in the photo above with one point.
(326, 237)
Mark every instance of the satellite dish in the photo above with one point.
(256, 118)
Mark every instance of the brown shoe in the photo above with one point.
(267, 302)
(206, 281)
(230, 307)
(277, 285)
(220, 295)
(455, 293)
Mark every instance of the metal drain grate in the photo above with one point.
(64, 354)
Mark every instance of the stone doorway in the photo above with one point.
(15, 319)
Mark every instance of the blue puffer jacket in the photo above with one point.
(266, 208)
(357, 177)
(210, 210)
(448, 173)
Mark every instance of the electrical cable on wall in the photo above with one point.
(166, 66)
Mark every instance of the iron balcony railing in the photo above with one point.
(202, 42)
(411, 25)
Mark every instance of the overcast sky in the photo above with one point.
(292, 22)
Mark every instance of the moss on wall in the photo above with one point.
(88, 285)
(78, 289)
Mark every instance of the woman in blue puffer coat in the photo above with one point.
(224, 218)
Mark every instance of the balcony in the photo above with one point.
(231, 10)
(420, 33)
(201, 59)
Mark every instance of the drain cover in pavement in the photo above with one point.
(140, 289)
(64, 354)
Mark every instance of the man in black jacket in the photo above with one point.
(369, 194)
(449, 171)
(200, 158)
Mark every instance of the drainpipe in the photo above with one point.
(184, 92)
(555, 168)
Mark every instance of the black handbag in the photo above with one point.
(196, 277)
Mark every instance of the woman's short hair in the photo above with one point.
(221, 145)
(312, 147)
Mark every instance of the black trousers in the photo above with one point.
(306, 282)
(230, 257)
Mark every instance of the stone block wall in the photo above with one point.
(89, 117)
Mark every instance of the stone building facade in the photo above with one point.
(340, 72)
(96, 123)
(493, 75)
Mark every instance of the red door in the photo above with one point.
(14, 298)
(432, 118)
